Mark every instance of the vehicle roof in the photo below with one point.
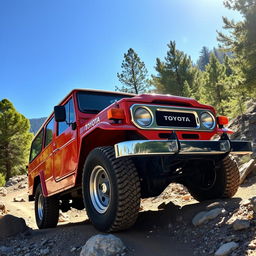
(79, 90)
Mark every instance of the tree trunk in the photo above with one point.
(8, 170)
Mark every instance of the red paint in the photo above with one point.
(60, 163)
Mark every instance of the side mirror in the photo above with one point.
(60, 113)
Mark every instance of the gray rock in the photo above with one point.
(15, 180)
(199, 218)
(214, 213)
(241, 224)
(11, 225)
(205, 216)
(226, 249)
(22, 185)
(246, 169)
(18, 199)
(4, 250)
(103, 245)
(3, 191)
(253, 202)
(73, 249)
(44, 252)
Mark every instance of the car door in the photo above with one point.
(65, 152)
(48, 148)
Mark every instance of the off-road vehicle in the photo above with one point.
(106, 150)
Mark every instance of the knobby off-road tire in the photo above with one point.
(225, 183)
(46, 210)
(111, 190)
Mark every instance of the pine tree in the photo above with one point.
(235, 83)
(241, 39)
(204, 58)
(216, 90)
(175, 74)
(15, 140)
(133, 75)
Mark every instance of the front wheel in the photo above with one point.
(214, 181)
(46, 210)
(111, 190)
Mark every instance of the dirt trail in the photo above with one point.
(161, 231)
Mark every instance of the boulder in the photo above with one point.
(11, 225)
(241, 224)
(246, 169)
(3, 191)
(15, 180)
(103, 245)
(205, 216)
(226, 249)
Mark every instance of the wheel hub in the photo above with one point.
(100, 190)
(40, 207)
(103, 188)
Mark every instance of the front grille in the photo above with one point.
(172, 118)
(176, 119)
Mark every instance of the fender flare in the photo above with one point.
(43, 184)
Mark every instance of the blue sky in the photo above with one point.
(47, 47)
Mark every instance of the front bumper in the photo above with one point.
(183, 147)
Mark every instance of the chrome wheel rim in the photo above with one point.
(40, 207)
(100, 189)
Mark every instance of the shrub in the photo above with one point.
(2, 180)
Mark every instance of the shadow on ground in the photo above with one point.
(164, 232)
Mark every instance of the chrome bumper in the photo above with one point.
(183, 147)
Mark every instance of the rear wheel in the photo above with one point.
(46, 210)
(111, 190)
(212, 182)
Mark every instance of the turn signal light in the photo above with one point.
(116, 113)
(222, 120)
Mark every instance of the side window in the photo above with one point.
(70, 117)
(49, 132)
(36, 146)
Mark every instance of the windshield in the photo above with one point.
(93, 103)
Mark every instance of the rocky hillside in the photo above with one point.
(244, 125)
(35, 124)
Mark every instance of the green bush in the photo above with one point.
(2, 180)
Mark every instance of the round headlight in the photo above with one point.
(207, 120)
(142, 117)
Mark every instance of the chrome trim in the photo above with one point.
(40, 207)
(154, 125)
(100, 189)
(64, 177)
(183, 147)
